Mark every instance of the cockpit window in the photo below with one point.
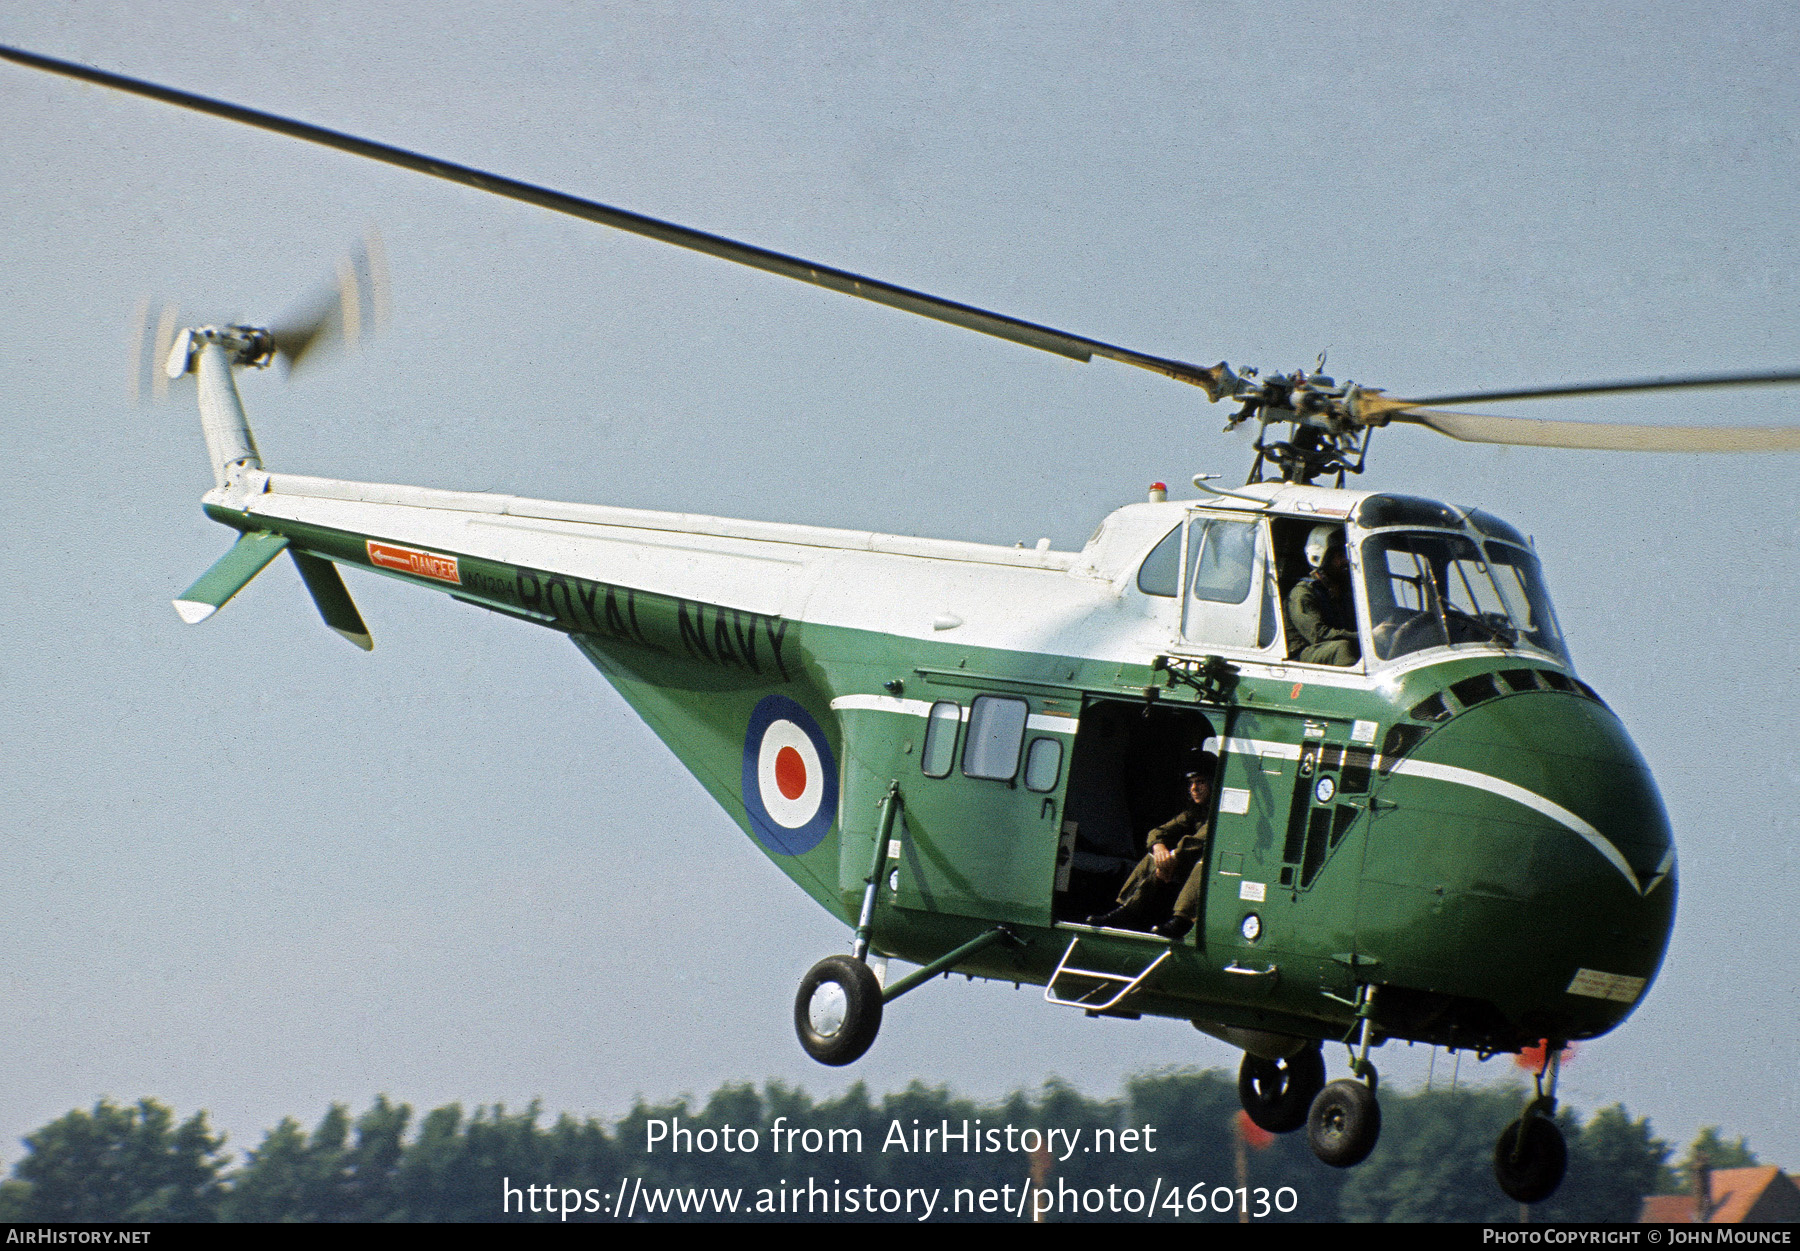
(1160, 574)
(1490, 526)
(1521, 581)
(1226, 560)
(1405, 510)
(1435, 589)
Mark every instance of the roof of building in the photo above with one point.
(1762, 1193)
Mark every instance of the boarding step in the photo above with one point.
(1099, 983)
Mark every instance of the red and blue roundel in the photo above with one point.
(790, 777)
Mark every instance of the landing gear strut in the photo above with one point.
(1531, 1156)
(838, 1010)
(1344, 1122)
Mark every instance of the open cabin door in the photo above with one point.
(1229, 600)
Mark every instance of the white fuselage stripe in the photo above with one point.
(1291, 751)
(1468, 777)
(1262, 747)
(922, 708)
(1519, 795)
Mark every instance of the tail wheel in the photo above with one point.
(1530, 1158)
(1344, 1123)
(838, 1010)
(1276, 1094)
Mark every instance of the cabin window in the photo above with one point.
(940, 739)
(996, 732)
(1160, 574)
(1043, 764)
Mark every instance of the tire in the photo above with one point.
(1276, 1094)
(838, 1010)
(1530, 1172)
(1344, 1123)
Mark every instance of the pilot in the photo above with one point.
(1320, 609)
(1163, 892)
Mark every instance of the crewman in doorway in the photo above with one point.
(1164, 891)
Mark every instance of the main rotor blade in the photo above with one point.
(1694, 382)
(1606, 437)
(1044, 338)
(1594, 436)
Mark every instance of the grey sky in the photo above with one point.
(250, 869)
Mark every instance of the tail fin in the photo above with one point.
(327, 587)
(249, 556)
(230, 574)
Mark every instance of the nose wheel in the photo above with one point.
(1530, 1158)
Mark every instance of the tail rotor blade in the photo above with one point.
(166, 326)
(380, 288)
(140, 326)
(349, 302)
(349, 312)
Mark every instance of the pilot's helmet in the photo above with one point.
(1320, 542)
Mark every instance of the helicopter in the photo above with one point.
(801, 675)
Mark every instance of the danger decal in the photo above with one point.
(412, 560)
(790, 785)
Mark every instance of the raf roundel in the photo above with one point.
(790, 777)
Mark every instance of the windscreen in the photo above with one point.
(1434, 588)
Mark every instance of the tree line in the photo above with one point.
(118, 1162)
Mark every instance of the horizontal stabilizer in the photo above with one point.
(333, 598)
(230, 574)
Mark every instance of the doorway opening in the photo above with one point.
(1127, 776)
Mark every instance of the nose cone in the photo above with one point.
(1520, 860)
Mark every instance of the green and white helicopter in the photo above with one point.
(958, 749)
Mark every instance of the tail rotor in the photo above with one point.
(349, 311)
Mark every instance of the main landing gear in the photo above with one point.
(837, 1012)
(1277, 1093)
(1344, 1122)
(1531, 1156)
(1342, 1119)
